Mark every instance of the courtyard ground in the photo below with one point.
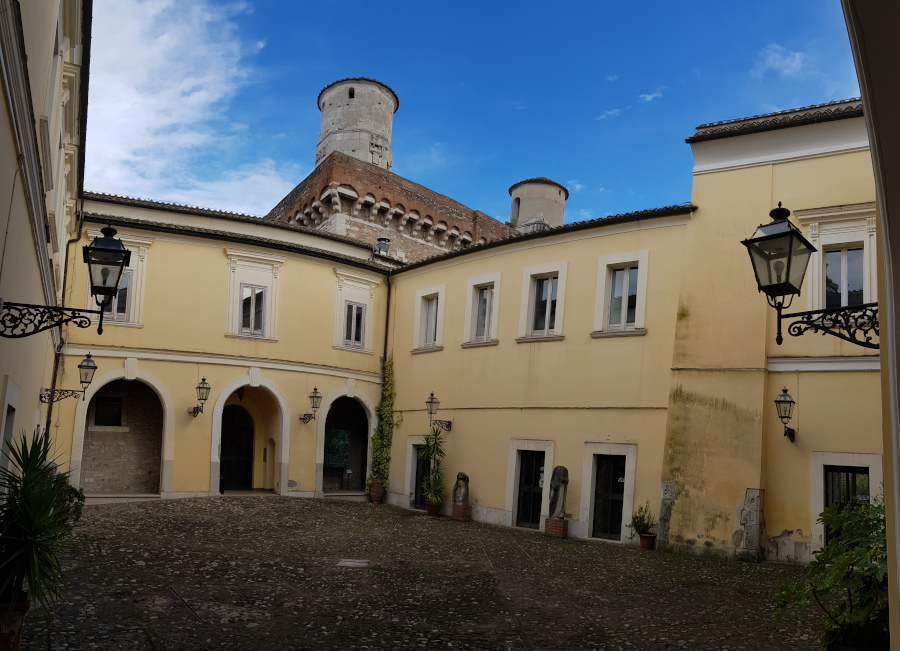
(262, 573)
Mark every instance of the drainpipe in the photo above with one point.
(387, 320)
(62, 344)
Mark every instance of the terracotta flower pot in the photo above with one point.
(11, 620)
(648, 540)
(432, 509)
(376, 491)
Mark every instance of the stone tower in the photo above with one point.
(537, 204)
(357, 114)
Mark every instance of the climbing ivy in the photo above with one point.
(384, 431)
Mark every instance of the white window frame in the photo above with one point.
(252, 330)
(818, 461)
(357, 340)
(526, 307)
(354, 287)
(137, 267)
(606, 265)
(470, 327)
(258, 270)
(589, 470)
(435, 291)
(840, 227)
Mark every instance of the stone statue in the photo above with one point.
(461, 489)
(559, 484)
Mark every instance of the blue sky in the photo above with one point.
(213, 103)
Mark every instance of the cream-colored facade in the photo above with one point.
(670, 400)
(44, 54)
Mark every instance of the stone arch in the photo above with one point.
(367, 405)
(168, 433)
(284, 429)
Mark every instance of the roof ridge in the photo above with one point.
(89, 194)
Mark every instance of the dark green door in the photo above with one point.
(237, 448)
(531, 488)
(609, 496)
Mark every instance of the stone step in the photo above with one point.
(347, 496)
(118, 498)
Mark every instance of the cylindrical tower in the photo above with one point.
(357, 114)
(537, 204)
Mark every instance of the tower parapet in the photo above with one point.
(357, 116)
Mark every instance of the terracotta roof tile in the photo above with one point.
(540, 179)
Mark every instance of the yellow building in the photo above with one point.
(633, 350)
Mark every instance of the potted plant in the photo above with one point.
(432, 452)
(847, 579)
(37, 509)
(375, 487)
(641, 522)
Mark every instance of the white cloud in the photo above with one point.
(574, 185)
(519, 105)
(609, 114)
(780, 60)
(585, 214)
(649, 97)
(612, 77)
(162, 74)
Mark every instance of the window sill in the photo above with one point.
(354, 350)
(480, 344)
(430, 349)
(600, 334)
(538, 339)
(251, 338)
(118, 324)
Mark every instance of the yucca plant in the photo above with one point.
(432, 450)
(37, 509)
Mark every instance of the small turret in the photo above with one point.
(537, 204)
(357, 116)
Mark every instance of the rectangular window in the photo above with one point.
(429, 320)
(845, 485)
(108, 411)
(544, 310)
(623, 298)
(253, 309)
(844, 277)
(484, 303)
(119, 309)
(354, 325)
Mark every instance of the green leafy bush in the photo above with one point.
(847, 578)
(642, 520)
(37, 509)
(432, 451)
(384, 430)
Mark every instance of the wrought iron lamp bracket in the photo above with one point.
(55, 395)
(855, 324)
(195, 411)
(24, 319)
(443, 424)
(790, 433)
(306, 418)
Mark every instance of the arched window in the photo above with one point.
(352, 93)
(514, 217)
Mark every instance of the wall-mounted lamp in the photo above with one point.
(432, 404)
(86, 371)
(315, 401)
(784, 405)
(382, 244)
(202, 396)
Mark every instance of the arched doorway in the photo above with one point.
(346, 446)
(237, 448)
(122, 450)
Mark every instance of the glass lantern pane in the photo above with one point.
(799, 263)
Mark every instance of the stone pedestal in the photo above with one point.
(556, 527)
(462, 513)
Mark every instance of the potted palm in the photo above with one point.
(432, 452)
(848, 580)
(642, 521)
(37, 509)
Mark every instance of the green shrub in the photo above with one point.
(847, 578)
(432, 451)
(642, 520)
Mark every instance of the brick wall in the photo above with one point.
(351, 197)
(124, 459)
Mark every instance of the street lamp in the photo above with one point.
(106, 258)
(202, 396)
(780, 256)
(784, 405)
(432, 405)
(315, 401)
(86, 371)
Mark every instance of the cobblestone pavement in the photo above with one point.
(262, 573)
